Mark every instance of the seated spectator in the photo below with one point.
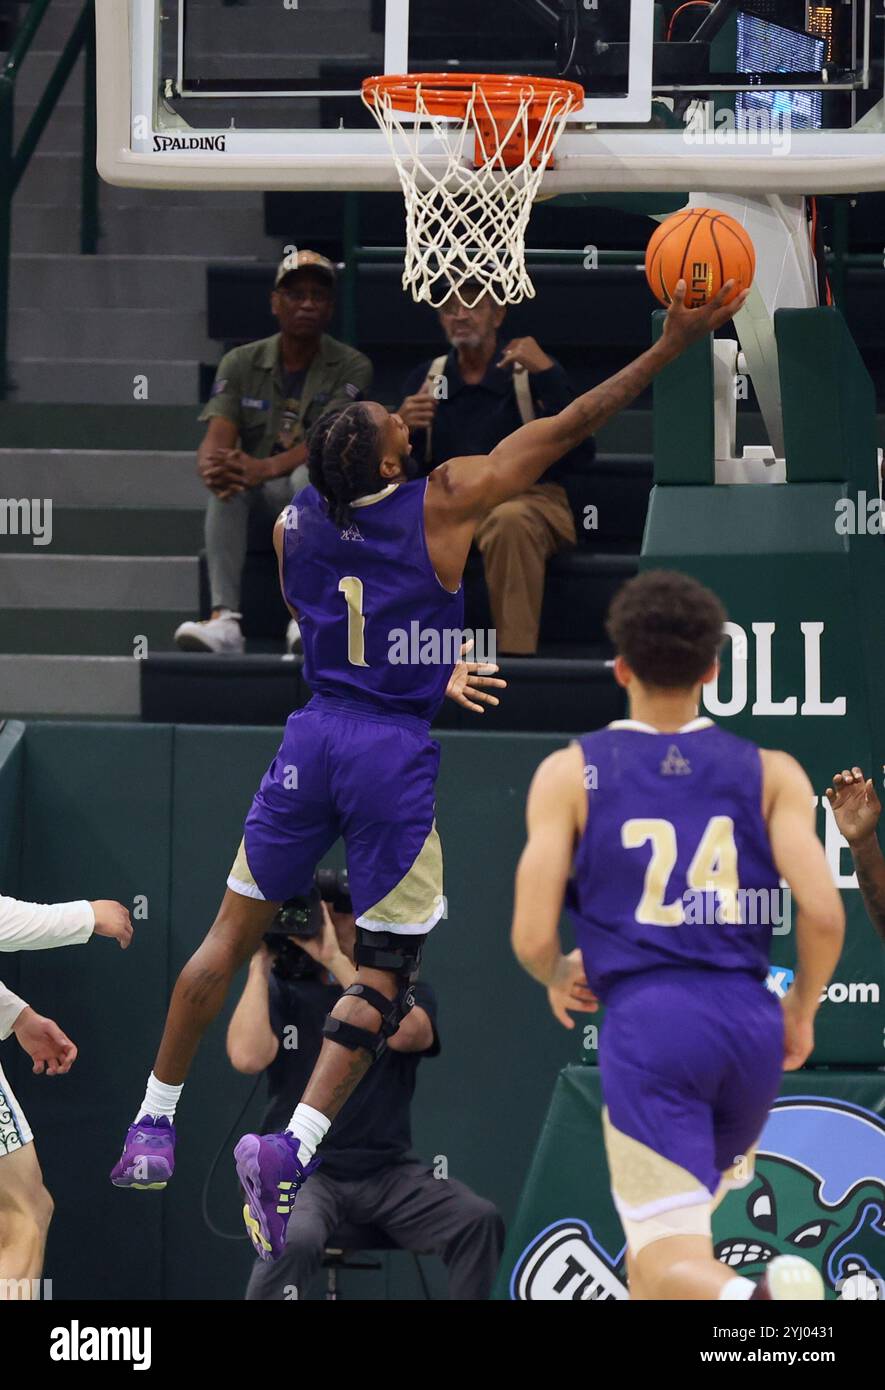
(467, 402)
(369, 1174)
(253, 457)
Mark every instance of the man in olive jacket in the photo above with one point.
(265, 398)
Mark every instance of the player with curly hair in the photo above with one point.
(366, 552)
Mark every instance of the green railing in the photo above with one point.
(840, 261)
(356, 255)
(14, 162)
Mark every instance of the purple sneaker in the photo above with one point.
(148, 1159)
(271, 1174)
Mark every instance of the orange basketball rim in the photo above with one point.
(508, 112)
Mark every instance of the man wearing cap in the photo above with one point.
(265, 398)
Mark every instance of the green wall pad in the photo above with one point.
(818, 1191)
(155, 812)
(803, 667)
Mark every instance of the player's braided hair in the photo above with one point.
(667, 626)
(343, 458)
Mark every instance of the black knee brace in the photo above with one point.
(386, 950)
(379, 951)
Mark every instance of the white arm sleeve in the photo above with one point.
(40, 926)
(10, 1008)
(37, 927)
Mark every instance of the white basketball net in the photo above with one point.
(465, 223)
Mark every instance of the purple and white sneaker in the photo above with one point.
(148, 1158)
(271, 1175)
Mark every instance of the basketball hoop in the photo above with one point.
(467, 210)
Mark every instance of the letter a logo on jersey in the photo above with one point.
(674, 765)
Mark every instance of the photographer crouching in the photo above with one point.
(369, 1174)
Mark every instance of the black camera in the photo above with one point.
(334, 889)
(303, 917)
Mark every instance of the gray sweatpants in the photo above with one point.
(227, 531)
(418, 1210)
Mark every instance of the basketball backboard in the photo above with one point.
(265, 93)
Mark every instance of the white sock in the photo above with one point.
(310, 1128)
(159, 1099)
(737, 1288)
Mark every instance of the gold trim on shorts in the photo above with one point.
(416, 903)
(643, 1182)
(240, 879)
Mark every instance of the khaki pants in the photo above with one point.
(516, 540)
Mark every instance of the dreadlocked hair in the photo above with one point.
(342, 460)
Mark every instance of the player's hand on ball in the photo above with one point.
(49, 1048)
(798, 1033)
(684, 326)
(471, 681)
(568, 990)
(112, 919)
(856, 807)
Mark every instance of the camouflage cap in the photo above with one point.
(305, 260)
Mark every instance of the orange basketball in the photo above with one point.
(703, 247)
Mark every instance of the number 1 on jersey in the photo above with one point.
(352, 589)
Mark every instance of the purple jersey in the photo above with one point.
(674, 867)
(379, 629)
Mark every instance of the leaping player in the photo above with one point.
(667, 836)
(366, 551)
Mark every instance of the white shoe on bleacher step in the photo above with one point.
(219, 635)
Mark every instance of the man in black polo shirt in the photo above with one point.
(369, 1174)
(466, 403)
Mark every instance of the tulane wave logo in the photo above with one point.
(564, 1261)
(818, 1192)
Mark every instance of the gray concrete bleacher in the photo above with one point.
(127, 522)
(179, 274)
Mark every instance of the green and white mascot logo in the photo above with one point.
(818, 1191)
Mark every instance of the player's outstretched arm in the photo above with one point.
(820, 917)
(856, 810)
(554, 819)
(470, 487)
(41, 926)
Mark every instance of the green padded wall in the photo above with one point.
(118, 810)
(821, 1163)
(774, 556)
(97, 814)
